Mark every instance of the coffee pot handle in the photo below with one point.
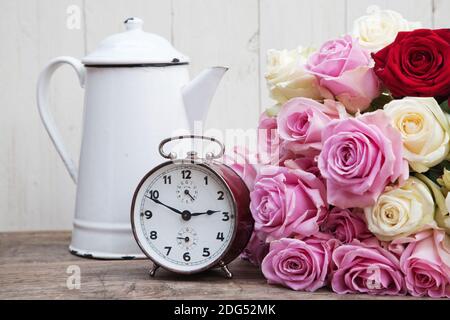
(43, 106)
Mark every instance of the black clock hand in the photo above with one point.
(165, 205)
(209, 212)
(189, 194)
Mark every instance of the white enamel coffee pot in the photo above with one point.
(137, 92)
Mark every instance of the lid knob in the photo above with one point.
(133, 23)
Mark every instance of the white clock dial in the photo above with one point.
(184, 217)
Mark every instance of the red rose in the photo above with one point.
(416, 64)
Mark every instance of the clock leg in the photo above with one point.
(225, 269)
(153, 270)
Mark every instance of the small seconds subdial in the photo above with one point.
(187, 191)
(187, 238)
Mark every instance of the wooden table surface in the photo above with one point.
(33, 265)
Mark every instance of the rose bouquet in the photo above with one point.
(350, 189)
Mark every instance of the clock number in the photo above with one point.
(226, 216)
(206, 252)
(220, 193)
(206, 180)
(220, 236)
(168, 250)
(167, 179)
(148, 214)
(186, 174)
(186, 256)
(153, 235)
(154, 194)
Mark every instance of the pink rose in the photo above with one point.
(304, 163)
(270, 145)
(269, 149)
(426, 264)
(364, 268)
(298, 264)
(393, 247)
(243, 164)
(346, 225)
(286, 202)
(344, 68)
(359, 158)
(257, 248)
(301, 121)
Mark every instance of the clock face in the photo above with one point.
(184, 217)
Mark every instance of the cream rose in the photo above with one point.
(425, 130)
(274, 110)
(286, 76)
(443, 220)
(441, 216)
(444, 181)
(379, 28)
(402, 211)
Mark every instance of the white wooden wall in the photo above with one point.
(35, 190)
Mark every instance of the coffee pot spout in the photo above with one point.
(198, 94)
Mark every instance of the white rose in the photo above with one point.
(424, 129)
(379, 28)
(274, 110)
(402, 211)
(443, 219)
(286, 76)
(441, 216)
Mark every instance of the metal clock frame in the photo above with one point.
(214, 167)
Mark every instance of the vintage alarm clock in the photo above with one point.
(190, 215)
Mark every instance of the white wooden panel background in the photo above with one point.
(35, 190)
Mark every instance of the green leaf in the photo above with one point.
(436, 172)
(380, 101)
(445, 107)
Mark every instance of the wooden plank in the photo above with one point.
(441, 13)
(34, 266)
(223, 33)
(287, 24)
(35, 190)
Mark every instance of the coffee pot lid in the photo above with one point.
(134, 47)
